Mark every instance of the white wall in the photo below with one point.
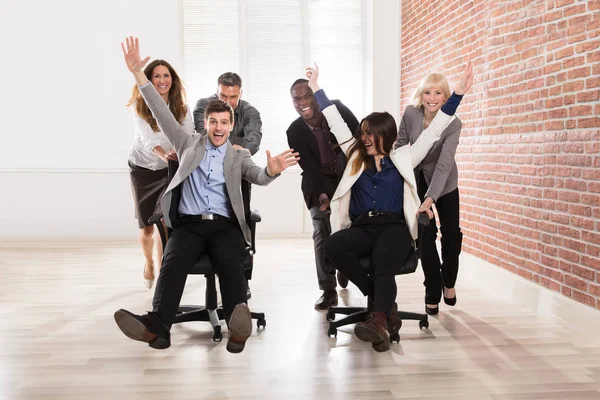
(66, 131)
(65, 128)
(386, 56)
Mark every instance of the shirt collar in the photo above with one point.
(221, 149)
(386, 162)
(324, 127)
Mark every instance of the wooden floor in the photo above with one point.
(59, 340)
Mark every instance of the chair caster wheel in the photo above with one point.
(261, 323)
(424, 324)
(330, 316)
(332, 332)
(217, 335)
(395, 338)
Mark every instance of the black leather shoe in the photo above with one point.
(328, 298)
(431, 311)
(451, 301)
(142, 328)
(240, 328)
(342, 280)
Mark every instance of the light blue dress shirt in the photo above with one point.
(204, 191)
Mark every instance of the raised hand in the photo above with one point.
(281, 162)
(312, 74)
(466, 80)
(132, 55)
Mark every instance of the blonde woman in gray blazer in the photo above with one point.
(437, 180)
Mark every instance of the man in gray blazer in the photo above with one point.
(247, 132)
(209, 216)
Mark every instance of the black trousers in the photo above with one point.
(223, 241)
(440, 273)
(389, 243)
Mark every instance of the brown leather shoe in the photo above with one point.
(374, 330)
(394, 322)
(328, 298)
(240, 328)
(142, 329)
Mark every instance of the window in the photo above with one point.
(269, 43)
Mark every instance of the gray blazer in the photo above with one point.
(190, 151)
(439, 167)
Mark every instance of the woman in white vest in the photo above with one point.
(374, 209)
(149, 155)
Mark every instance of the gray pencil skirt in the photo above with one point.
(148, 187)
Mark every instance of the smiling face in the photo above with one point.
(161, 79)
(370, 140)
(305, 104)
(431, 93)
(229, 94)
(433, 98)
(219, 126)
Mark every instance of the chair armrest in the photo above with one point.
(255, 216)
(155, 218)
(423, 219)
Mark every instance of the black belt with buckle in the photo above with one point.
(377, 213)
(206, 217)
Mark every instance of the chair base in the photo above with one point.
(358, 314)
(214, 317)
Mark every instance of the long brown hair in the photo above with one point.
(176, 96)
(380, 125)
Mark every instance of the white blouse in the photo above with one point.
(145, 139)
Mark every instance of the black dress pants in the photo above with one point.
(440, 273)
(387, 240)
(223, 241)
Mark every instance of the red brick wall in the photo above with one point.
(529, 154)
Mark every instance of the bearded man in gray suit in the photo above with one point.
(209, 217)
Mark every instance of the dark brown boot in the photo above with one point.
(374, 330)
(394, 322)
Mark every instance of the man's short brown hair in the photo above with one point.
(218, 106)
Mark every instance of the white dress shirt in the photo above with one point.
(145, 139)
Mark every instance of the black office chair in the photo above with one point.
(358, 314)
(211, 312)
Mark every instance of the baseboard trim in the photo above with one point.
(565, 311)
